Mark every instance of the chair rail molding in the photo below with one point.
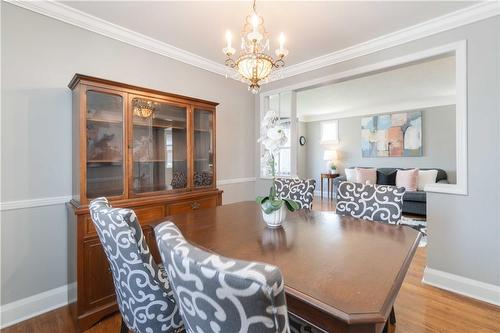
(459, 49)
(461, 285)
(51, 201)
(223, 182)
(31, 203)
(64, 13)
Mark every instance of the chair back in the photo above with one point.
(143, 293)
(218, 294)
(380, 203)
(299, 190)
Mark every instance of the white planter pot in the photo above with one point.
(276, 218)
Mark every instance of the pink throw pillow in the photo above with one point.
(407, 179)
(366, 176)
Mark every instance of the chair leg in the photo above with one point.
(386, 327)
(124, 328)
(392, 317)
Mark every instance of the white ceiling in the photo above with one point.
(420, 85)
(312, 28)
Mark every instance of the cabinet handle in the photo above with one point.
(195, 205)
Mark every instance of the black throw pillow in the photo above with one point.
(386, 178)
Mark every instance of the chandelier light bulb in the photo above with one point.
(282, 41)
(229, 38)
(255, 22)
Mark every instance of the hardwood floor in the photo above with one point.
(419, 308)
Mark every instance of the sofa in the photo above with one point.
(414, 202)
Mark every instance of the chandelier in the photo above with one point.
(253, 66)
(144, 109)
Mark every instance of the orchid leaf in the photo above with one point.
(260, 200)
(291, 205)
(268, 206)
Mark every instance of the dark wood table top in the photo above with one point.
(330, 175)
(347, 268)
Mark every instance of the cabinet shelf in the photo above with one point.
(105, 121)
(104, 161)
(163, 126)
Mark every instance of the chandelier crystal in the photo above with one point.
(253, 65)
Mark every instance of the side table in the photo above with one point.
(329, 178)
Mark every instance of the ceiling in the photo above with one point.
(312, 28)
(426, 84)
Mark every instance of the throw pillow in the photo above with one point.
(366, 176)
(386, 178)
(426, 177)
(350, 175)
(407, 179)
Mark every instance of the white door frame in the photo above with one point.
(459, 49)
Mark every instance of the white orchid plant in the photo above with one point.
(272, 138)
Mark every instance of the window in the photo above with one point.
(281, 104)
(330, 132)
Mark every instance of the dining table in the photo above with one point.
(341, 273)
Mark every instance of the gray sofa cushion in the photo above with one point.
(415, 196)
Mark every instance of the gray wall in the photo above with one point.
(438, 145)
(39, 57)
(464, 231)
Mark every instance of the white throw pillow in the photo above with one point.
(350, 175)
(426, 177)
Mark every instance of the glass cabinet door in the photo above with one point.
(159, 146)
(105, 168)
(203, 150)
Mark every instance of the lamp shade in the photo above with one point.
(330, 155)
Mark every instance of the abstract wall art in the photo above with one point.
(392, 135)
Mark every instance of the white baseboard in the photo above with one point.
(461, 285)
(35, 305)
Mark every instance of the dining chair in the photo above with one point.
(296, 189)
(378, 203)
(218, 294)
(143, 292)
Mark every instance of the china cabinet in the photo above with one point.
(142, 149)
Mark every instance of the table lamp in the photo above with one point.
(330, 156)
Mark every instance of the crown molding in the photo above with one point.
(89, 22)
(59, 11)
(467, 15)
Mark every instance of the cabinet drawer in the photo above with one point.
(189, 206)
(144, 214)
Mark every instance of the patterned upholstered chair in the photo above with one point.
(299, 190)
(218, 294)
(143, 293)
(379, 203)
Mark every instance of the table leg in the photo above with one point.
(332, 189)
(321, 187)
(328, 180)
